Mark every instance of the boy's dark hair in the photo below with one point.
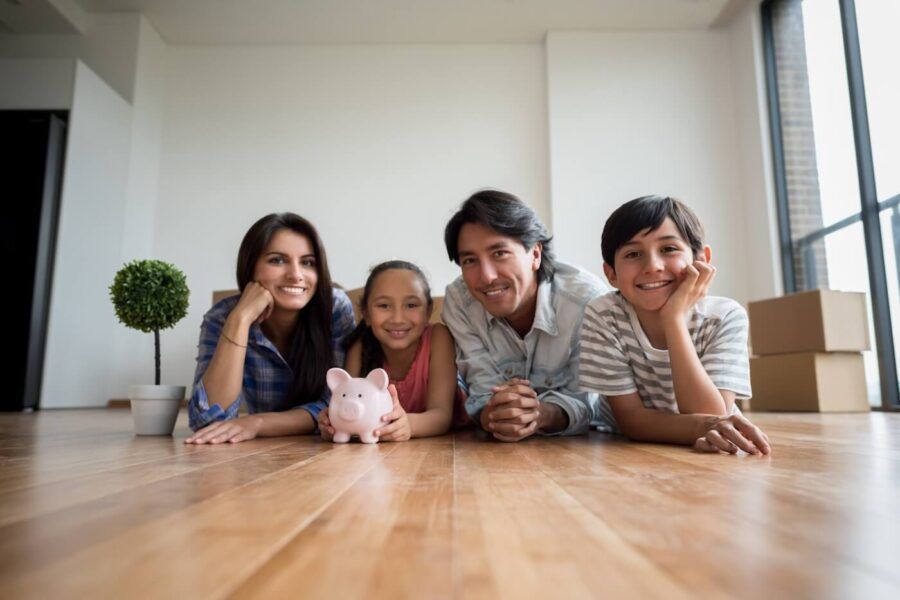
(310, 354)
(507, 215)
(648, 213)
(372, 354)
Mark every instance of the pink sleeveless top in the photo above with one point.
(413, 389)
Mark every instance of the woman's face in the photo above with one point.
(287, 268)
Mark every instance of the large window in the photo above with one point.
(833, 91)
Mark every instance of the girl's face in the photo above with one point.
(287, 268)
(396, 309)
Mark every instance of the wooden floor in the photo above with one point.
(89, 510)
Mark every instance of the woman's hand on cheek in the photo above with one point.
(256, 302)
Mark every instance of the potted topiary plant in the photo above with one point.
(150, 295)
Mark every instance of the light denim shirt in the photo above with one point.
(489, 352)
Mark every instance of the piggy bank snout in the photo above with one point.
(351, 410)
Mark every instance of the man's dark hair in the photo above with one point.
(507, 215)
(647, 213)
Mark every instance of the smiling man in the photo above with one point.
(515, 314)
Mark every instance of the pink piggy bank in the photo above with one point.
(358, 404)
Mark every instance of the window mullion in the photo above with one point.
(778, 167)
(887, 366)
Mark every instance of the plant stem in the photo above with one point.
(156, 339)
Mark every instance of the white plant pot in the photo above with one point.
(154, 408)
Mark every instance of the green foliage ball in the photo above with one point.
(149, 295)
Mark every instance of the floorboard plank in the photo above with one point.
(389, 535)
(88, 509)
(225, 537)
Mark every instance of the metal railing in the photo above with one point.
(804, 245)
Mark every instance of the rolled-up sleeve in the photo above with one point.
(578, 406)
(199, 412)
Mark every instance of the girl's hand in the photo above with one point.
(324, 423)
(256, 303)
(733, 433)
(695, 280)
(398, 429)
(232, 431)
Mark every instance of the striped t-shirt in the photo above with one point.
(617, 357)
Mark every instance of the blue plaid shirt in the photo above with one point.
(267, 376)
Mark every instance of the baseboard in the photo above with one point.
(126, 403)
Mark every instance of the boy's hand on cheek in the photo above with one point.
(692, 287)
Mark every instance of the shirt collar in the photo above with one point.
(258, 338)
(544, 311)
(257, 335)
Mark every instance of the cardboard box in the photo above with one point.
(222, 294)
(816, 321)
(809, 381)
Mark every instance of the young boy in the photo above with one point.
(669, 360)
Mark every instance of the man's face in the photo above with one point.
(499, 272)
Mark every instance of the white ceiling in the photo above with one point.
(405, 21)
(33, 16)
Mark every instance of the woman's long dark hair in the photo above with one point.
(372, 354)
(311, 354)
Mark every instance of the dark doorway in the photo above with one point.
(32, 158)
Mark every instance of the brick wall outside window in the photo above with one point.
(804, 204)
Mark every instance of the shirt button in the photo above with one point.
(548, 382)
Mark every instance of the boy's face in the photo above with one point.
(649, 267)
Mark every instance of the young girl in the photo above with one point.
(271, 346)
(419, 357)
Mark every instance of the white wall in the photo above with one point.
(109, 193)
(132, 358)
(376, 145)
(641, 113)
(88, 246)
(762, 268)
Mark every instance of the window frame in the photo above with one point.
(870, 209)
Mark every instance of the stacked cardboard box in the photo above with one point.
(807, 352)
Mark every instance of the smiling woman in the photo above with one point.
(271, 346)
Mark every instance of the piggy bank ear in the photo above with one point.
(379, 377)
(336, 377)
